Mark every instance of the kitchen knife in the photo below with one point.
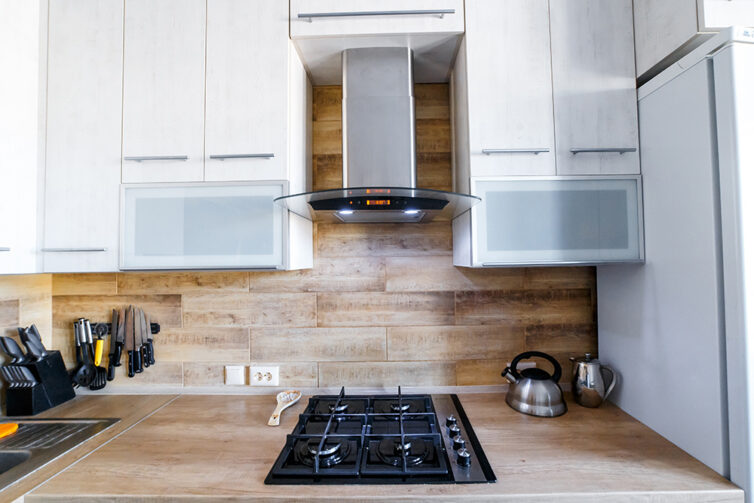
(13, 350)
(32, 348)
(129, 340)
(120, 338)
(144, 338)
(34, 334)
(113, 346)
(138, 341)
(150, 343)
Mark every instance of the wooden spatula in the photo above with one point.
(285, 400)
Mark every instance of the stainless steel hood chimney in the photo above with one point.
(379, 149)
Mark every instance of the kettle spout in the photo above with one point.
(509, 375)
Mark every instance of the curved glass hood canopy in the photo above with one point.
(378, 204)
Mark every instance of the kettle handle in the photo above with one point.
(558, 371)
(613, 380)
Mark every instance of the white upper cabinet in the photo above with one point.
(374, 17)
(21, 127)
(669, 29)
(509, 88)
(594, 87)
(247, 90)
(82, 175)
(163, 93)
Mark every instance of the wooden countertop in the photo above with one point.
(199, 447)
(130, 410)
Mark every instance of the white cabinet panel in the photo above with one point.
(82, 177)
(509, 88)
(202, 226)
(21, 125)
(552, 220)
(247, 83)
(163, 94)
(378, 21)
(594, 86)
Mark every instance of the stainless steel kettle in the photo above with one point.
(534, 391)
(588, 384)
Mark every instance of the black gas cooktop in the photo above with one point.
(390, 439)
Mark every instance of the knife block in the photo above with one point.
(53, 387)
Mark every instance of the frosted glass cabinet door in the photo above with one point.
(201, 226)
(557, 220)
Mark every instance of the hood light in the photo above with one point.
(345, 212)
(410, 212)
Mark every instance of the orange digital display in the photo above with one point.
(378, 202)
(378, 191)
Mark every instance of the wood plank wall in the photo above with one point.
(382, 306)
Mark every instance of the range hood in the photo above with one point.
(379, 149)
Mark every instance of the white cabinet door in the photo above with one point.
(163, 93)
(509, 88)
(557, 220)
(594, 87)
(372, 17)
(210, 226)
(247, 83)
(82, 177)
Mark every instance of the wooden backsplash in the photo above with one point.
(383, 304)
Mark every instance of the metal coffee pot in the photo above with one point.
(588, 384)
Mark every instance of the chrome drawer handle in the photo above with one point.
(4, 248)
(222, 157)
(535, 151)
(141, 158)
(616, 150)
(431, 12)
(73, 250)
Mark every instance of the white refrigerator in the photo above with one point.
(680, 327)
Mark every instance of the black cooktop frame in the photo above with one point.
(359, 467)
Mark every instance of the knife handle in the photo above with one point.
(150, 351)
(117, 354)
(139, 356)
(145, 351)
(131, 364)
(110, 370)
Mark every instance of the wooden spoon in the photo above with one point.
(285, 400)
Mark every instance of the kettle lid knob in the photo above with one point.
(587, 357)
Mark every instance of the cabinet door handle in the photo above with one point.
(73, 250)
(535, 151)
(4, 248)
(141, 158)
(615, 150)
(431, 12)
(222, 157)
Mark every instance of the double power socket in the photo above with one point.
(237, 375)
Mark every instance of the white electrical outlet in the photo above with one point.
(264, 376)
(235, 375)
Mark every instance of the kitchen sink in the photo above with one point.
(40, 441)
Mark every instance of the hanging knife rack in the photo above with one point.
(154, 328)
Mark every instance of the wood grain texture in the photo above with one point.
(84, 284)
(179, 282)
(9, 313)
(387, 373)
(25, 300)
(384, 240)
(318, 344)
(454, 342)
(382, 304)
(216, 344)
(619, 460)
(384, 309)
(363, 274)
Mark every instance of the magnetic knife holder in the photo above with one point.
(154, 328)
(52, 388)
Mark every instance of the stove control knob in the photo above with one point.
(463, 457)
(454, 431)
(451, 420)
(458, 443)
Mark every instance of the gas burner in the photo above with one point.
(331, 453)
(340, 409)
(396, 407)
(390, 451)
